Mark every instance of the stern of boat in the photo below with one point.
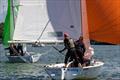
(56, 71)
(30, 57)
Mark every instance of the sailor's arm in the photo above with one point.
(14, 50)
(62, 50)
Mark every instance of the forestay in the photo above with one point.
(47, 20)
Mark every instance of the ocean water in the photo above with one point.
(109, 54)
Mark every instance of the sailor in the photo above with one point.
(80, 48)
(20, 49)
(13, 50)
(71, 52)
(88, 56)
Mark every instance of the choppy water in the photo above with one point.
(109, 54)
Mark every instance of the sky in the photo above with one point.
(3, 9)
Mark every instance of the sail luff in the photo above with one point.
(85, 31)
(89, 50)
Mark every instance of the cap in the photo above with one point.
(66, 34)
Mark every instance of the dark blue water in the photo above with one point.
(109, 54)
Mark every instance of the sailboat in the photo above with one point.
(38, 21)
(12, 23)
(45, 21)
(76, 11)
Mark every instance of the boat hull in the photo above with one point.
(31, 58)
(58, 72)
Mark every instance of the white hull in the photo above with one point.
(28, 58)
(58, 72)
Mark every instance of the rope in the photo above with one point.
(43, 31)
(48, 51)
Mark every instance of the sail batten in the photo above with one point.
(34, 15)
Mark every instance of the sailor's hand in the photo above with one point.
(60, 51)
(65, 66)
(79, 65)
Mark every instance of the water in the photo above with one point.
(109, 54)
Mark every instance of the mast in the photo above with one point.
(89, 51)
(12, 6)
(81, 17)
(84, 20)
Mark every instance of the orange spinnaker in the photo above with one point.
(104, 20)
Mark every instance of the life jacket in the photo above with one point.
(79, 46)
(69, 43)
(11, 50)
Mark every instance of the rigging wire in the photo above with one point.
(57, 54)
(50, 50)
(43, 31)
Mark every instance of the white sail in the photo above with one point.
(47, 20)
(3, 10)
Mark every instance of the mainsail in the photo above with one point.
(104, 20)
(47, 20)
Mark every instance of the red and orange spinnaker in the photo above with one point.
(104, 20)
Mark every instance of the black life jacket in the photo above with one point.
(69, 43)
